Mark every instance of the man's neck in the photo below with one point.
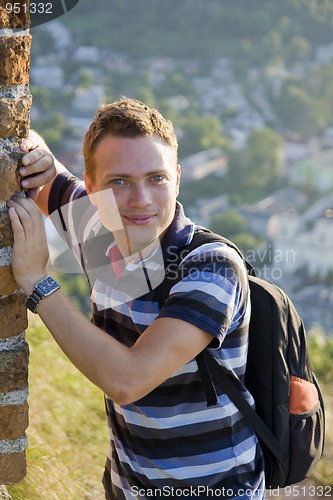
(132, 250)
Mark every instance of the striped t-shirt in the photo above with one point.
(169, 443)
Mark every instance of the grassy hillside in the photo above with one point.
(68, 435)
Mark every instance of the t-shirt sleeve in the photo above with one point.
(212, 293)
(65, 189)
(70, 210)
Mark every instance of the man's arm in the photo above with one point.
(39, 169)
(124, 374)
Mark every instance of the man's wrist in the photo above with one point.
(43, 288)
(29, 284)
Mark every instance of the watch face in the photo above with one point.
(48, 285)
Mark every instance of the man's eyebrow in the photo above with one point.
(126, 176)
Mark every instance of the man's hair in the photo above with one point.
(125, 118)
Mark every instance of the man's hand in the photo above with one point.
(30, 251)
(38, 166)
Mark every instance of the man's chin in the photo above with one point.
(133, 239)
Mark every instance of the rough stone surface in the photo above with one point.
(10, 178)
(13, 315)
(15, 60)
(8, 146)
(6, 232)
(15, 398)
(8, 284)
(14, 369)
(12, 20)
(13, 421)
(12, 467)
(15, 117)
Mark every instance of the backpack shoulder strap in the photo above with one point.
(201, 236)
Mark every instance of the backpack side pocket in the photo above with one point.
(306, 433)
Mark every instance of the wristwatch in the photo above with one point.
(42, 289)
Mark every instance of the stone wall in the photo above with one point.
(15, 103)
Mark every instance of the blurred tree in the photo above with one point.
(272, 42)
(299, 111)
(42, 97)
(256, 170)
(53, 128)
(264, 152)
(146, 95)
(75, 286)
(299, 48)
(246, 241)
(321, 86)
(321, 353)
(233, 226)
(228, 223)
(43, 43)
(200, 133)
(85, 78)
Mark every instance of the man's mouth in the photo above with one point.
(139, 220)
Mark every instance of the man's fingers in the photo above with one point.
(32, 161)
(27, 205)
(37, 169)
(27, 212)
(24, 217)
(30, 220)
(37, 180)
(18, 230)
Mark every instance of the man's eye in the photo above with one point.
(158, 178)
(117, 182)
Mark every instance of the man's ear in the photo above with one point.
(89, 189)
(178, 179)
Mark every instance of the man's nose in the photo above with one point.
(140, 196)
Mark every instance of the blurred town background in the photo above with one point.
(249, 88)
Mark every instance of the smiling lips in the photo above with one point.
(140, 220)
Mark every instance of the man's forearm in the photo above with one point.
(124, 374)
(96, 354)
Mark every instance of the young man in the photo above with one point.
(164, 440)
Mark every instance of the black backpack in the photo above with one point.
(278, 372)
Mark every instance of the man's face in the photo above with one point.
(136, 186)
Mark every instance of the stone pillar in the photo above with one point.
(15, 103)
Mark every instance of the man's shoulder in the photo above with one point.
(217, 253)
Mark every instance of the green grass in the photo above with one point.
(68, 435)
